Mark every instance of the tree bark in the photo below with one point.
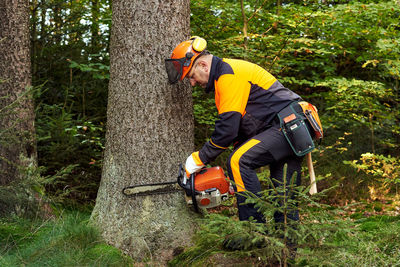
(17, 147)
(94, 28)
(278, 12)
(149, 131)
(245, 25)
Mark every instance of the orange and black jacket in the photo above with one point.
(247, 98)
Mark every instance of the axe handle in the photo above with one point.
(310, 166)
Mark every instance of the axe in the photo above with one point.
(310, 166)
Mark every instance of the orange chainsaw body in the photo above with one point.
(211, 187)
(211, 178)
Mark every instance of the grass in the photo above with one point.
(66, 241)
(369, 241)
(358, 237)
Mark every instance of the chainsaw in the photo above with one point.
(204, 189)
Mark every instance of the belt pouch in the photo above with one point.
(295, 130)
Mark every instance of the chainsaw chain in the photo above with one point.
(166, 190)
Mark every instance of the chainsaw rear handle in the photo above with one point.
(185, 182)
(188, 185)
(182, 179)
(193, 193)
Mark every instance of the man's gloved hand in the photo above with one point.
(193, 163)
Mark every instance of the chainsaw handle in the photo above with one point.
(194, 201)
(188, 185)
(180, 175)
(183, 180)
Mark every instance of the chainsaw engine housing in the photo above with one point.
(211, 187)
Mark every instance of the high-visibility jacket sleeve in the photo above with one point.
(231, 95)
(226, 130)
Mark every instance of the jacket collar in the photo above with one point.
(211, 80)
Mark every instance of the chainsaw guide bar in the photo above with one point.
(208, 191)
(152, 189)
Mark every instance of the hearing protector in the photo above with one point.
(198, 45)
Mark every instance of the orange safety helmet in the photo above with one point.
(183, 57)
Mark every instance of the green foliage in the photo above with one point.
(71, 151)
(67, 241)
(365, 106)
(205, 114)
(358, 103)
(70, 65)
(99, 70)
(384, 168)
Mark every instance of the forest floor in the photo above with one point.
(365, 233)
(371, 239)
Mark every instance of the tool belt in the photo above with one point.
(300, 124)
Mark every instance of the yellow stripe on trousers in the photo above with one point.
(235, 163)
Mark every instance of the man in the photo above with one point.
(248, 99)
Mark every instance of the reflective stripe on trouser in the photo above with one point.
(267, 148)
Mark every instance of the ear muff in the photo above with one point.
(199, 44)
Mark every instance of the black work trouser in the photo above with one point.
(267, 148)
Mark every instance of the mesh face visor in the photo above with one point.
(174, 68)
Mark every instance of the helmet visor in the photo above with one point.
(174, 68)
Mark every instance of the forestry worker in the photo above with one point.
(248, 99)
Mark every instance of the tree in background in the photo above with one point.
(70, 65)
(17, 145)
(149, 131)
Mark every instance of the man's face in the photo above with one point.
(199, 74)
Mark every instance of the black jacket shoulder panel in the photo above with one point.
(218, 68)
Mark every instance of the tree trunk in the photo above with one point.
(34, 34)
(278, 12)
(149, 131)
(58, 23)
(17, 148)
(94, 28)
(245, 25)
